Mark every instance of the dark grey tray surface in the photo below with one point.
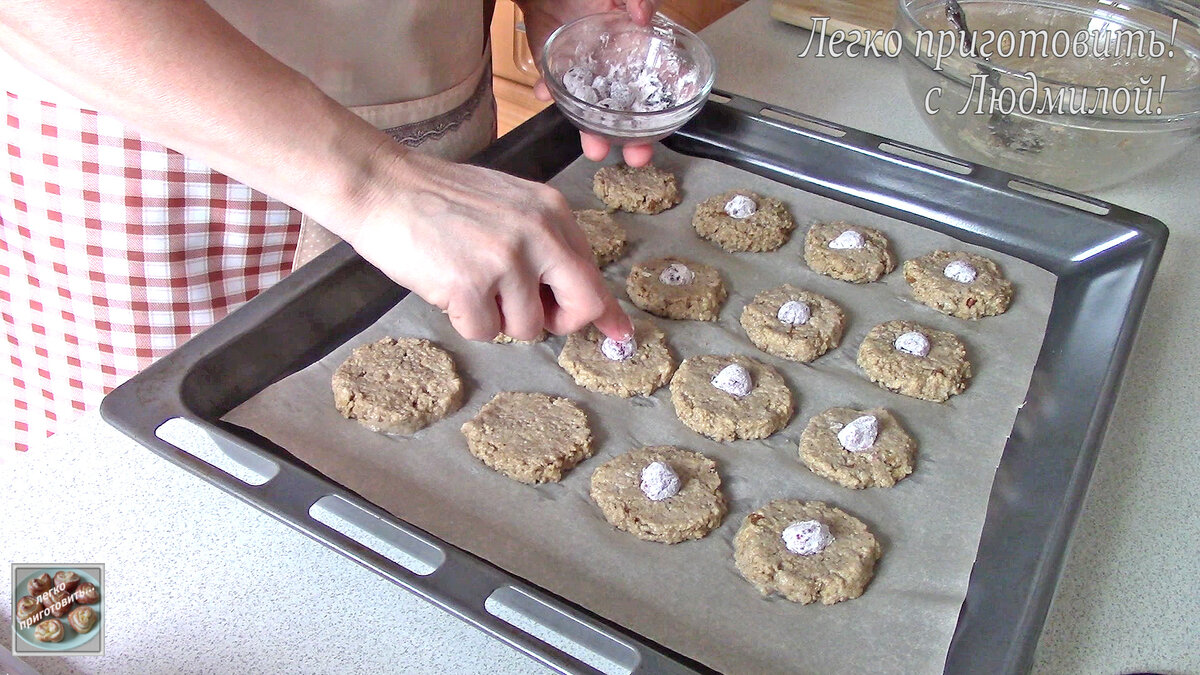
(1104, 256)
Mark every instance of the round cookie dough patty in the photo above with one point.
(888, 460)
(604, 235)
(796, 342)
(643, 190)
(943, 372)
(857, 265)
(766, 229)
(649, 367)
(529, 437)
(722, 416)
(691, 513)
(988, 294)
(397, 385)
(839, 572)
(699, 299)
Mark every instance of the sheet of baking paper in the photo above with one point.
(689, 596)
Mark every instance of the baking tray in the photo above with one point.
(1103, 255)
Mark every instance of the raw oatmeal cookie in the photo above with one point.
(961, 284)
(915, 360)
(730, 397)
(630, 368)
(806, 551)
(529, 437)
(741, 220)
(848, 252)
(858, 448)
(606, 237)
(660, 493)
(676, 288)
(793, 324)
(647, 189)
(397, 385)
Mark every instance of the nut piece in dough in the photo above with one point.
(887, 460)
(529, 437)
(397, 385)
(647, 189)
(944, 281)
(803, 342)
(937, 376)
(765, 228)
(858, 265)
(606, 237)
(840, 571)
(692, 512)
(648, 368)
(699, 296)
(722, 416)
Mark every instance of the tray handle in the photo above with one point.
(546, 628)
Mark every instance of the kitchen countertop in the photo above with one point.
(274, 598)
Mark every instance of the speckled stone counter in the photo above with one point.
(275, 600)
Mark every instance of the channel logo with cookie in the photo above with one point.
(58, 609)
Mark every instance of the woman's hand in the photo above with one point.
(496, 253)
(543, 17)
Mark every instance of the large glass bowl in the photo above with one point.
(610, 45)
(1092, 120)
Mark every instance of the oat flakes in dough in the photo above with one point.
(700, 299)
(397, 385)
(606, 237)
(839, 572)
(529, 437)
(691, 513)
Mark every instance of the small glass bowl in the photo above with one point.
(610, 43)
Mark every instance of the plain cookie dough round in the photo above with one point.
(397, 385)
(723, 416)
(766, 229)
(840, 572)
(988, 295)
(647, 189)
(937, 376)
(642, 374)
(700, 300)
(859, 266)
(888, 461)
(805, 342)
(693, 512)
(606, 237)
(529, 437)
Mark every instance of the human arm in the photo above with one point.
(480, 244)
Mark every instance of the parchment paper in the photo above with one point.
(689, 596)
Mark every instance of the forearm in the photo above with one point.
(183, 76)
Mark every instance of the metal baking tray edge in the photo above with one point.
(1105, 258)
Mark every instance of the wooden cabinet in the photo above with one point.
(513, 68)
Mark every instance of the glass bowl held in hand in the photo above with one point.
(624, 82)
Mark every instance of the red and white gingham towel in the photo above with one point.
(113, 251)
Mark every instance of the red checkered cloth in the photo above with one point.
(113, 251)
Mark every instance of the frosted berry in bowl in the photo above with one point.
(625, 82)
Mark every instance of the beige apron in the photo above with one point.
(453, 125)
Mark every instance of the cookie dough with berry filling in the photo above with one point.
(915, 360)
(793, 324)
(529, 437)
(730, 397)
(858, 449)
(606, 237)
(848, 252)
(676, 288)
(397, 385)
(647, 189)
(806, 552)
(660, 493)
(741, 220)
(634, 367)
(961, 284)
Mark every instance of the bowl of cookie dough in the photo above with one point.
(625, 82)
(1077, 93)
